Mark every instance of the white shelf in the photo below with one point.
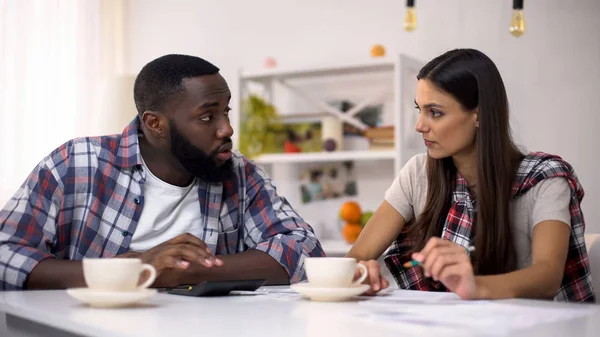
(358, 68)
(335, 247)
(311, 157)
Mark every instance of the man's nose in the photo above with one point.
(225, 130)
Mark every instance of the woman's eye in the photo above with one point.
(206, 118)
(435, 113)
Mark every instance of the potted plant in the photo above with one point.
(259, 125)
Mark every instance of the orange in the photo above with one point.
(351, 212)
(351, 231)
(377, 51)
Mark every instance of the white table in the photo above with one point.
(54, 313)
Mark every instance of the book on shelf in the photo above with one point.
(380, 138)
(380, 147)
(382, 144)
(381, 132)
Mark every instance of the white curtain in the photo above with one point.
(56, 57)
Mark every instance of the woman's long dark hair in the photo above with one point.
(473, 79)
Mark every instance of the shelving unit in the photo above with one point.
(402, 71)
(326, 70)
(316, 157)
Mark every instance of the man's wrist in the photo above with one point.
(129, 255)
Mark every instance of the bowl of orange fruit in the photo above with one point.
(354, 219)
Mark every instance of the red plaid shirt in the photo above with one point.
(577, 281)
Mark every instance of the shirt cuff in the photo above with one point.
(16, 263)
(290, 253)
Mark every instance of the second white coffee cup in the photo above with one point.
(333, 271)
(117, 274)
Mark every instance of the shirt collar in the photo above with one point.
(128, 151)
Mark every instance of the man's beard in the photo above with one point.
(196, 161)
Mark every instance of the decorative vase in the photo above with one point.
(332, 129)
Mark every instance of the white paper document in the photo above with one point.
(279, 293)
(413, 297)
(446, 313)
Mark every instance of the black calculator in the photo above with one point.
(216, 288)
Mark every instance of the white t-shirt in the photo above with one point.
(169, 211)
(547, 200)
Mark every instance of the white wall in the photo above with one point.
(552, 73)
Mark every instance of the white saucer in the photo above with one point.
(329, 294)
(110, 299)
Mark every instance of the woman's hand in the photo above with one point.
(450, 264)
(375, 279)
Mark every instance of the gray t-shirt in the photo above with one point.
(548, 200)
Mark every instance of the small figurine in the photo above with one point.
(290, 144)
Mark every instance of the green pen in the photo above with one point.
(413, 263)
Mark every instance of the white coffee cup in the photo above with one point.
(116, 274)
(333, 272)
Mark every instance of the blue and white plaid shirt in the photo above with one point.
(85, 200)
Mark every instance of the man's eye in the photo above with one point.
(206, 118)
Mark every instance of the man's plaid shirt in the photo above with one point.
(85, 199)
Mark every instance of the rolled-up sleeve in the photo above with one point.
(27, 226)
(272, 226)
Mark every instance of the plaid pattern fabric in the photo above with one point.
(576, 284)
(85, 199)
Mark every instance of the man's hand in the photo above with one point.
(173, 256)
(177, 254)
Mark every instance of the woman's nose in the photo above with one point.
(420, 127)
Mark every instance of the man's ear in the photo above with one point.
(155, 122)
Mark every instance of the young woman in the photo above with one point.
(474, 189)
